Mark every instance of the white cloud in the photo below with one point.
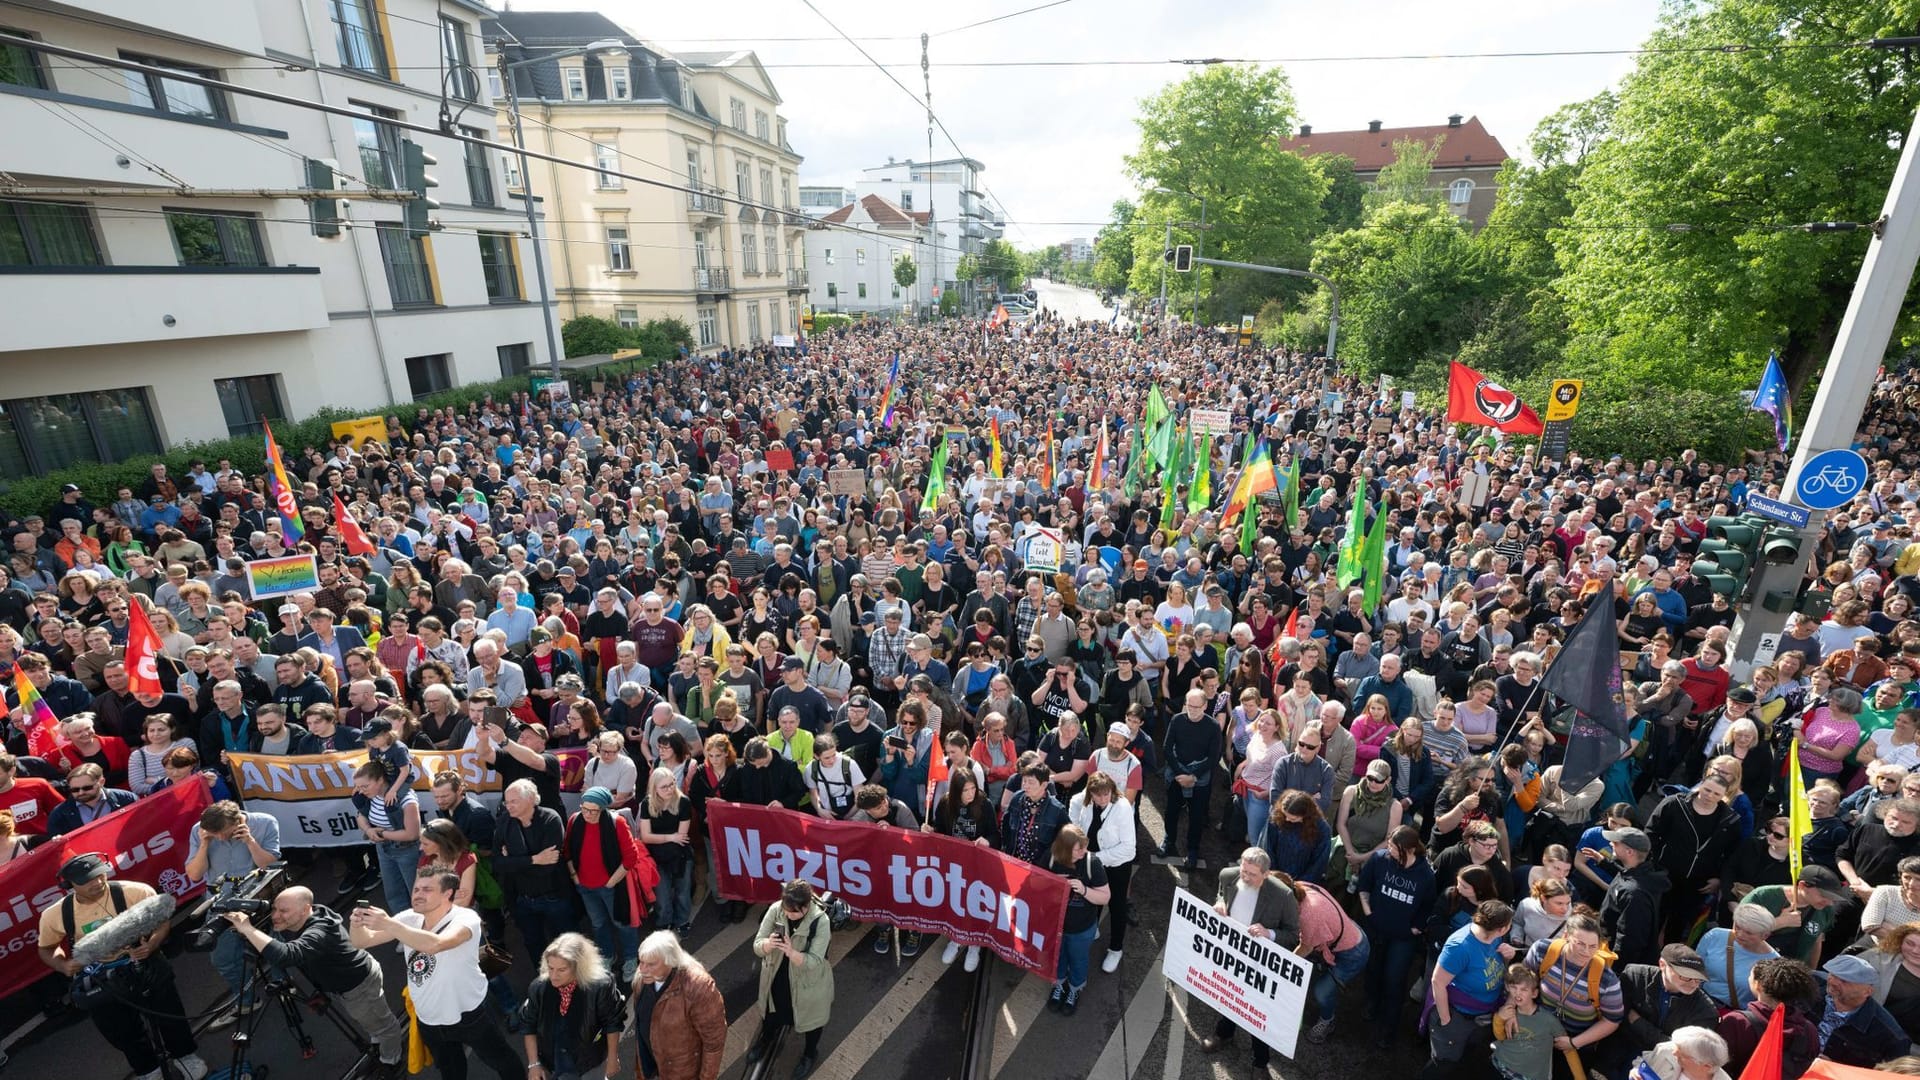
(1052, 138)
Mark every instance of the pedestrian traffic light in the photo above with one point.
(420, 208)
(1183, 258)
(326, 213)
(1727, 556)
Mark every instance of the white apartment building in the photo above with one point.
(726, 258)
(1078, 249)
(960, 206)
(163, 277)
(852, 268)
(819, 200)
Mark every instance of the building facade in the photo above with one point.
(853, 267)
(726, 258)
(164, 275)
(959, 204)
(819, 200)
(1465, 167)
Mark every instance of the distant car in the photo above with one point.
(1033, 297)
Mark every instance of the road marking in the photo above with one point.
(1017, 1015)
(1177, 1036)
(742, 1031)
(723, 944)
(1143, 1016)
(851, 1054)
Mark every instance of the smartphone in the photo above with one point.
(363, 902)
(499, 714)
(897, 742)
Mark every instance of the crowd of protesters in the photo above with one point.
(667, 571)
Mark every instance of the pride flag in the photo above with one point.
(886, 399)
(282, 492)
(43, 728)
(998, 463)
(1256, 477)
(1097, 469)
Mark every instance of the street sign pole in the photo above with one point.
(1844, 386)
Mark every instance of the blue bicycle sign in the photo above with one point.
(1831, 478)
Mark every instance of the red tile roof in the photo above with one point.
(1470, 144)
(880, 211)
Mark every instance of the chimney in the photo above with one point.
(1373, 126)
(889, 159)
(1454, 120)
(1305, 130)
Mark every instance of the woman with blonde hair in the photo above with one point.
(573, 1013)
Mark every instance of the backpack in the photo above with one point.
(1596, 967)
(846, 780)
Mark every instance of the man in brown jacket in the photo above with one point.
(679, 1016)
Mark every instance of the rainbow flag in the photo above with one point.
(997, 465)
(1256, 477)
(886, 399)
(43, 728)
(1097, 468)
(282, 492)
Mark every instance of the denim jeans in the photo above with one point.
(1075, 951)
(399, 862)
(1387, 967)
(540, 919)
(1258, 807)
(673, 900)
(1329, 979)
(619, 943)
(231, 957)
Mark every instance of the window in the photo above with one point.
(859, 256)
(793, 314)
(516, 359)
(408, 277)
(753, 322)
(1460, 192)
(781, 130)
(773, 253)
(762, 129)
(737, 114)
(497, 266)
(576, 83)
(619, 82)
(363, 47)
(495, 89)
(216, 239)
(619, 254)
(379, 143)
(906, 199)
(46, 234)
(766, 186)
(743, 180)
(829, 255)
(749, 255)
(628, 318)
(462, 81)
(833, 289)
(700, 250)
(20, 66)
(43, 434)
(479, 176)
(152, 90)
(862, 286)
(707, 323)
(896, 290)
(693, 167)
(773, 318)
(606, 158)
(510, 165)
(248, 402)
(429, 375)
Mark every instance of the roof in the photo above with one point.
(652, 76)
(879, 210)
(557, 27)
(1470, 144)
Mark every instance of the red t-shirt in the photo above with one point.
(30, 799)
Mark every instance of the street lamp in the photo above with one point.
(612, 49)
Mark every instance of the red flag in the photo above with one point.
(143, 652)
(1472, 398)
(351, 534)
(1769, 1057)
(936, 772)
(999, 317)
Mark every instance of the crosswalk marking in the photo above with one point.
(742, 1029)
(851, 1055)
(1017, 1015)
(1143, 1016)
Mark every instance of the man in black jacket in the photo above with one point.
(1631, 911)
(452, 800)
(1190, 750)
(313, 940)
(764, 778)
(1661, 999)
(528, 843)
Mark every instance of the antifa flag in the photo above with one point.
(1472, 398)
(1586, 675)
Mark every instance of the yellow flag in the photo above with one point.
(1799, 814)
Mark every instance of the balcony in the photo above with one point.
(712, 279)
(796, 218)
(796, 279)
(155, 303)
(705, 202)
(41, 141)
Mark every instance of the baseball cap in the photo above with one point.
(1684, 960)
(1633, 838)
(1851, 969)
(859, 701)
(84, 867)
(1121, 730)
(1826, 881)
(289, 609)
(377, 725)
(70, 489)
(537, 636)
(793, 663)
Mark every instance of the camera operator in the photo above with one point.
(147, 984)
(314, 940)
(229, 845)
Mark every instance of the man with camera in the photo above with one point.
(313, 939)
(224, 852)
(142, 988)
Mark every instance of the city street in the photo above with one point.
(1071, 301)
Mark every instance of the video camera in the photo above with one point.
(251, 895)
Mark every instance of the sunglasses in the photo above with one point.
(1776, 835)
(1307, 746)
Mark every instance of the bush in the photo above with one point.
(586, 335)
(829, 320)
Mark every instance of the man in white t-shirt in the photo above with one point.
(440, 942)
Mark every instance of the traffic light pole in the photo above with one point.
(1333, 294)
(1845, 386)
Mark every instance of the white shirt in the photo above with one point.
(446, 985)
(1244, 901)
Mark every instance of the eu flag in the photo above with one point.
(1773, 399)
(1586, 675)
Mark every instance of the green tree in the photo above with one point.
(1409, 177)
(590, 335)
(1113, 248)
(1345, 200)
(905, 271)
(1000, 262)
(1216, 135)
(662, 337)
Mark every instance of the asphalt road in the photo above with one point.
(1071, 301)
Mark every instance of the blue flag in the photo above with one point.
(1773, 399)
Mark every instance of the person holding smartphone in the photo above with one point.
(796, 982)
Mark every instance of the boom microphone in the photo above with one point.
(125, 930)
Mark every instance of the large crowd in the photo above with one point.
(670, 571)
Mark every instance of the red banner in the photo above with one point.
(916, 881)
(1472, 398)
(147, 843)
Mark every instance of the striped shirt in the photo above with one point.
(1563, 988)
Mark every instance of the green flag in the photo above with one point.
(1200, 492)
(1160, 443)
(1249, 529)
(1293, 494)
(1374, 558)
(1156, 406)
(1170, 476)
(936, 476)
(1353, 545)
(1136, 464)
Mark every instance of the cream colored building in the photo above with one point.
(632, 251)
(162, 277)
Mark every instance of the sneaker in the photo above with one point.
(973, 957)
(193, 1066)
(1059, 994)
(1112, 963)
(1321, 1031)
(909, 944)
(882, 942)
(951, 953)
(1072, 1003)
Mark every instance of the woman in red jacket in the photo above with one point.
(600, 856)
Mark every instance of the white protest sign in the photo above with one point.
(1044, 550)
(1259, 985)
(1211, 421)
(847, 482)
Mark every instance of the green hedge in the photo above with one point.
(34, 494)
(828, 320)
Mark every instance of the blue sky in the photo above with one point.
(1052, 138)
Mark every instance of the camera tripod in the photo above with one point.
(287, 996)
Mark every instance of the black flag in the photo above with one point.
(1586, 676)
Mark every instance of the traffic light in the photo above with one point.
(1727, 556)
(1183, 258)
(420, 208)
(326, 213)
